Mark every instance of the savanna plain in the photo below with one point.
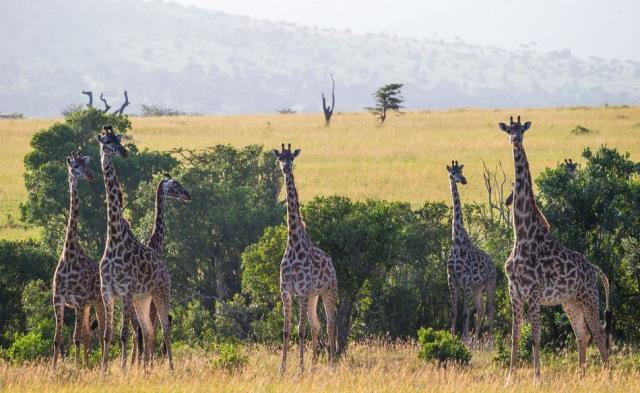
(402, 160)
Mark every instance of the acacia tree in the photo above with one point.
(387, 98)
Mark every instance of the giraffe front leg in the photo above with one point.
(517, 310)
(58, 307)
(453, 296)
(314, 322)
(477, 294)
(534, 317)
(86, 334)
(303, 303)
(329, 300)
(491, 309)
(466, 313)
(77, 334)
(286, 330)
(107, 301)
(127, 313)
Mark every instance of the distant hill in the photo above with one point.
(201, 61)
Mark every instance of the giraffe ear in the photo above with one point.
(461, 166)
(68, 161)
(86, 160)
(99, 138)
(276, 153)
(295, 153)
(526, 126)
(448, 168)
(503, 127)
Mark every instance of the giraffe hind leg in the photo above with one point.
(141, 306)
(286, 330)
(161, 302)
(592, 317)
(329, 300)
(314, 322)
(57, 341)
(579, 326)
(303, 302)
(477, 294)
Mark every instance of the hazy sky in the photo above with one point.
(586, 27)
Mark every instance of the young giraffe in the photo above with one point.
(167, 188)
(306, 272)
(468, 267)
(569, 166)
(129, 269)
(541, 271)
(76, 281)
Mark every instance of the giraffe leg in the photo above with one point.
(579, 325)
(517, 310)
(477, 294)
(162, 306)
(141, 306)
(591, 311)
(98, 306)
(303, 304)
(286, 330)
(137, 347)
(466, 312)
(314, 322)
(534, 317)
(453, 295)
(58, 306)
(491, 309)
(77, 333)
(107, 301)
(329, 300)
(86, 334)
(127, 313)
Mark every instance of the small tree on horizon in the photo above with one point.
(387, 97)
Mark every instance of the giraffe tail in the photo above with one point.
(608, 315)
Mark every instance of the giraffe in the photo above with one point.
(570, 168)
(76, 281)
(543, 272)
(306, 272)
(167, 188)
(129, 269)
(468, 266)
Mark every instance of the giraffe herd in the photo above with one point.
(540, 270)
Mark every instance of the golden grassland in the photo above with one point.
(368, 367)
(402, 160)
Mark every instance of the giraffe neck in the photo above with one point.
(74, 203)
(458, 233)
(157, 236)
(525, 210)
(295, 226)
(114, 208)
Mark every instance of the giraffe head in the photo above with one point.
(110, 143)
(571, 167)
(172, 189)
(286, 157)
(455, 173)
(515, 130)
(78, 167)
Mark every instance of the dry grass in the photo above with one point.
(402, 160)
(375, 367)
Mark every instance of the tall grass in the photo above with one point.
(368, 367)
(402, 160)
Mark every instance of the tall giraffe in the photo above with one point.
(306, 272)
(76, 281)
(129, 269)
(468, 266)
(167, 188)
(541, 271)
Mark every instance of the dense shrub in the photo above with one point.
(229, 357)
(441, 346)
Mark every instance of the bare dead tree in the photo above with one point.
(124, 104)
(106, 106)
(494, 182)
(90, 94)
(328, 110)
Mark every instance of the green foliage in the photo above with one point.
(387, 97)
(28, 347)
(233, 199)
(229, 357)
(441, 346)
(155, 110)
(20, 263)
(46, 176)
(193, 324)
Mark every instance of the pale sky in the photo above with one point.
(603, 28)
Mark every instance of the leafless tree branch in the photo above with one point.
(90, 94)
(106, 106)
(124, 104)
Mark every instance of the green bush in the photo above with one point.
(441, 346)
(230, 357)
(525, 349)
(27, 347)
